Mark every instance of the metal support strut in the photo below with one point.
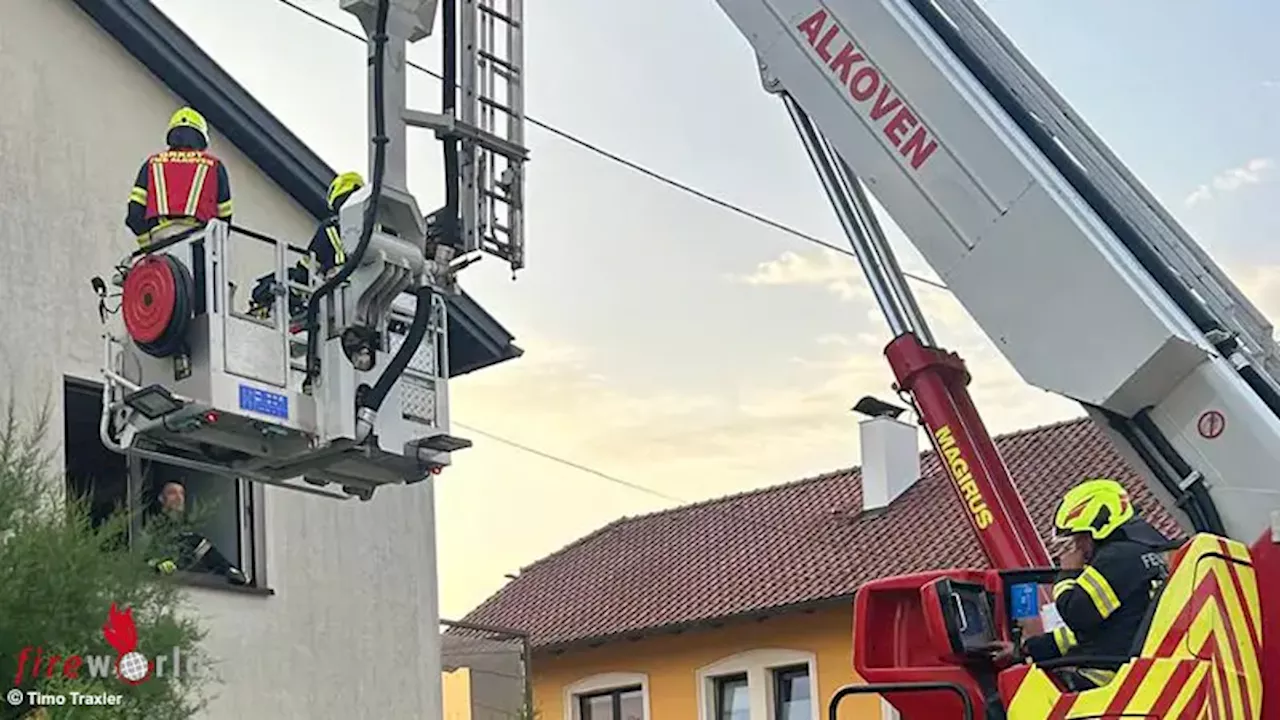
(935, 379)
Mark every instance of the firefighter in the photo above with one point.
(1113, 562)
(325, 251)
(326, 247)
(185, 186)
(193, 552)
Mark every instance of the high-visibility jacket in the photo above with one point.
(326, 249)
(178, 185)
(1104, 604)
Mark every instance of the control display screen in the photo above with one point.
(967, 609)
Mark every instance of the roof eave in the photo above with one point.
(477, 339)
(696, 624)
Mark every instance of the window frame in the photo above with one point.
(248, 505)
(614, 694)
(758, 665)
(776, 677)
(613, 683)
(719, 683)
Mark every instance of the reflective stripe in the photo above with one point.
(1062, 587)
(339, 253)
(1096, 676)
(197, 186)
(1064, 639)
(1099, 591)
(157, 184)
(138, 195)
(224, 209)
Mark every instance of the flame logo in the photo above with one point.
(120, 633)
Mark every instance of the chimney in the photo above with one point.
(890, 453)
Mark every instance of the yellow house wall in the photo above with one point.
(672, 661)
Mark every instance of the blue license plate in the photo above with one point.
(264, 402)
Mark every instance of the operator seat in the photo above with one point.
(1203, 627)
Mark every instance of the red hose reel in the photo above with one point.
(156, 303)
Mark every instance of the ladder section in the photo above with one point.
(1157, 227)
(492, 103)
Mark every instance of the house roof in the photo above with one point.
(476, 339)
(793, 545)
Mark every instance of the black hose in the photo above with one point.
(1197, 492)
(1188, 503)
(380, 141)
(449, 103)
(412, 339)
(422, 312)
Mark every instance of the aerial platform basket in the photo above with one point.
(194, 380)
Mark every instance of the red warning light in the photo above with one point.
(211, 416)
(437, 469)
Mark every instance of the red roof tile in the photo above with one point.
(801, 542)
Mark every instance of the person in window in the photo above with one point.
(1112, 564)
(193, 551)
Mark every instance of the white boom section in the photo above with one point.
(1034, 263)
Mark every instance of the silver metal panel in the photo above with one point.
(984, 208)
(253, 350)
(418, 400)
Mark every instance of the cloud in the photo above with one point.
(837, 272)
(1252, 172)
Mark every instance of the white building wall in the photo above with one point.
(354, 598)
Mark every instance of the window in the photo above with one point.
(609, 696)
(622, 704)
(764, 684)
(732, 700)
(791, 698)
(223, 511)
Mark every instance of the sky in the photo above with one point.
(675, 345)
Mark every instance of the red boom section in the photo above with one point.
(938, 381)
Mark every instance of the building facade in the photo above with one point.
(340, 608)
(741, 608)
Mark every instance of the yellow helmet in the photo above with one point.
(1097, 506)
(343, 184)
(188, 117)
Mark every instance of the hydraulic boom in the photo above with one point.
(1009, 197)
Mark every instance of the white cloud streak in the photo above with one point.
(1253, 172)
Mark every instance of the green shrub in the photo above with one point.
(59, 575)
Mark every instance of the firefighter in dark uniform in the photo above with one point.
(1113, 562)
(193, 552)
(326, 247)
(185, 186)
(325, 251)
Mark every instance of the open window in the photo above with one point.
(222, 517)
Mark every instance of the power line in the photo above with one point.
(714, 508)
(630, 164)
(576, 466)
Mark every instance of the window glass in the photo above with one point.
(620, 704)
(631, 704)
(598, 707)
(732, 701)
(792, 700)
